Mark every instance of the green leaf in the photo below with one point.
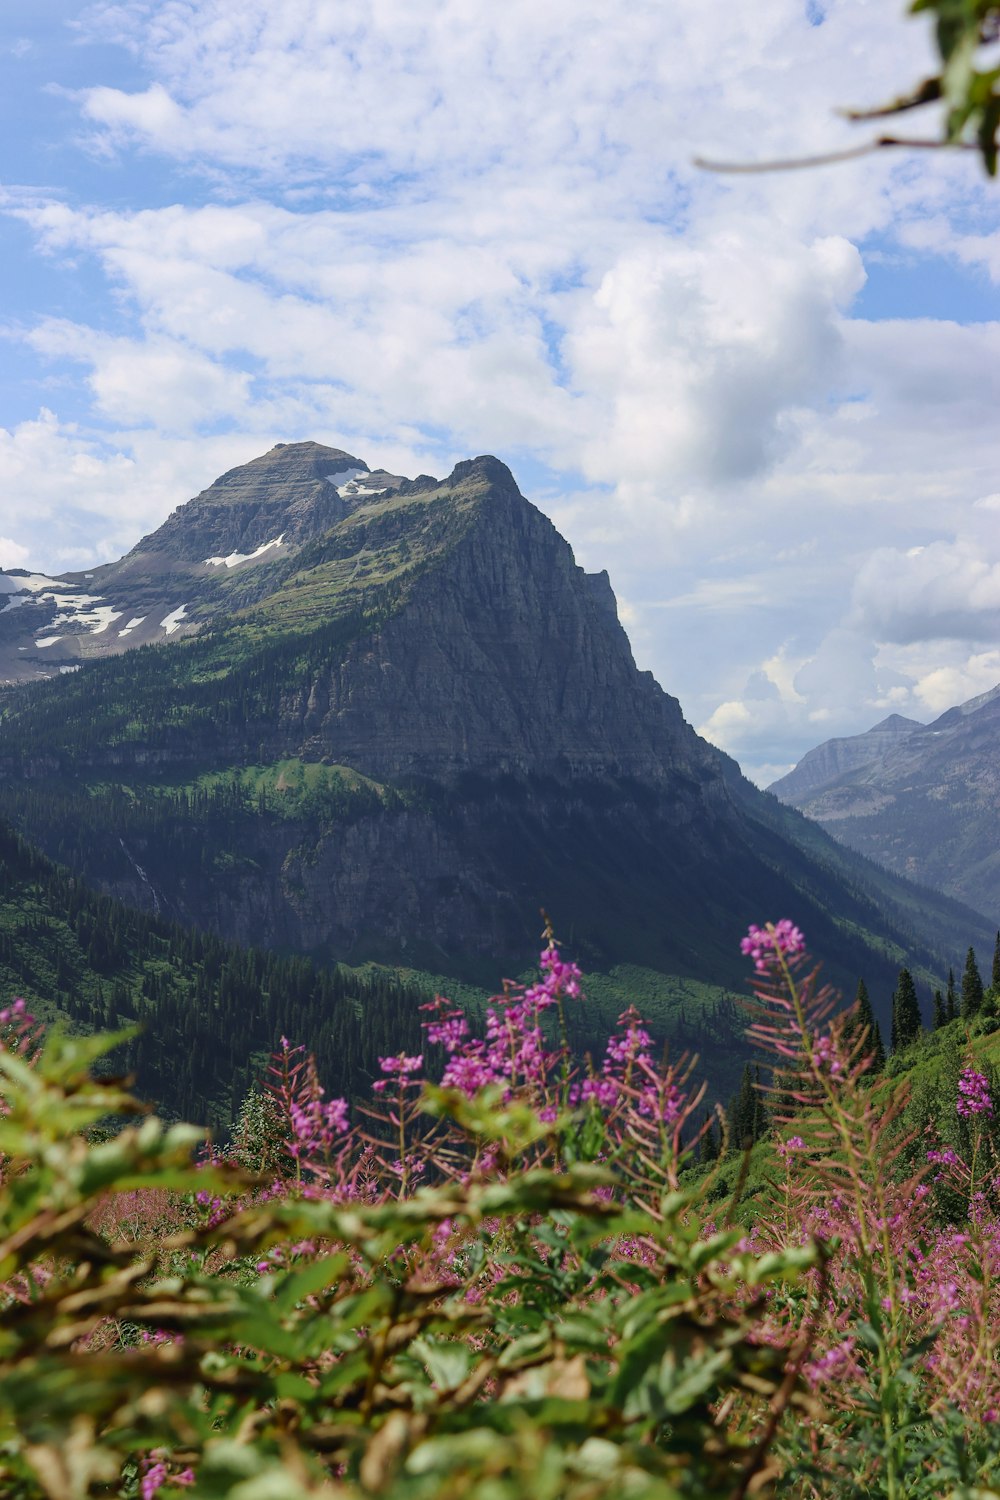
(684, 1386)
(447, 1364)
(295, 1286)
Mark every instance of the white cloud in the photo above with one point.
(12, 554)
(944, 687)
(152, 382)
(696, 351)
(945, 590)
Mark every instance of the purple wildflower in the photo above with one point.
(401, 1068)
(973, 1094)
(765, 945)
(449, 1033)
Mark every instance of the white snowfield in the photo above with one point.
(85, 610)
(133, 624)
(20, 590)
(236, 558)
(172, 622)
(81, 611)
(348, 484)
(39, 583)
(49, 640)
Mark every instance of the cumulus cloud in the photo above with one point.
(943, 687)
(69, 500)
(946, 589)
(696, 352)
(12, 554)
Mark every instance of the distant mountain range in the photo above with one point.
(923, 800)
(346, 714)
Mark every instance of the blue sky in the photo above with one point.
(766, 404)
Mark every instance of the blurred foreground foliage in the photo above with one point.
(270, 1348)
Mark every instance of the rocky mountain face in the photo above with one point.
(233, 541)
(926, 804)
(820, 767)
(398, 720)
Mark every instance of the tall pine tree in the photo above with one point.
(972, 988)
(951, 997)
(906, 1022)
(709, 1148)
(940, 1014)
(863, 1019)
(995, 976)
(747, 1111)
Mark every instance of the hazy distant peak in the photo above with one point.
(895, 723)
(826, 763)
(972, 705)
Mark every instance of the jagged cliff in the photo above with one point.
(404, 730)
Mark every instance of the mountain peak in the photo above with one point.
(290, 463)
(826, 763)
(895, 723)
(485, 469)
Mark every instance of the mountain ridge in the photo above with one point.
(403, 735)
(926, 806)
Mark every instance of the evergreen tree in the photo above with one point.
(995, 976)
(951, 998)
(972, 988)
(709, 1148)
(761, 1119)
(863, 1019)
(940, 1014)
(906, 1021)
(743, 1113)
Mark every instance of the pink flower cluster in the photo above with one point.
(405, 1070)
(973, 1094)
(315, 1124)
(513, 1052)
(766, 945)
(19, 1031)
(156, 1474)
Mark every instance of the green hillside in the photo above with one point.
(210, 1013)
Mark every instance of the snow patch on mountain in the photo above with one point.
(39, 583)
(49, 640)
(236, 558)
(85, 611)
(133, 624)
(173, 620)
(349, 484)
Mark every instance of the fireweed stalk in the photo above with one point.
(820, 1074)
